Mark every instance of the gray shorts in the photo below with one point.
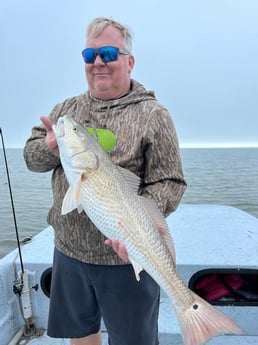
(82, 294)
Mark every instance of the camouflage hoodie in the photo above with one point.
(146, 144)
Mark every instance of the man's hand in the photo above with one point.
(119, 248)
(50, 138)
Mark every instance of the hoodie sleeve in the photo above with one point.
(163, 177)
(36, 154)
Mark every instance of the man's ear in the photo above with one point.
(131, 62)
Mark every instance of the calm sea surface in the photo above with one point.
(214, 176)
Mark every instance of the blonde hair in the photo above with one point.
(97, 26)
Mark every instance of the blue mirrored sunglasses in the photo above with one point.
(107, 54)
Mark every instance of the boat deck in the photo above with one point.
(229, 340)
(169, 333)
(165, 339)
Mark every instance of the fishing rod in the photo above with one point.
(12, 203)
(21, 285)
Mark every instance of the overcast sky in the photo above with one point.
(199, 56)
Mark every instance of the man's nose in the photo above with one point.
(98, 60)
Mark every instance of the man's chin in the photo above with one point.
(102, 86)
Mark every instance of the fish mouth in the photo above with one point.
(59, 127)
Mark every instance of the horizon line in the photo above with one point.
(217, 145)
(197, 145)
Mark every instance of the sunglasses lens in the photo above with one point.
(108, 54)
(89, 55)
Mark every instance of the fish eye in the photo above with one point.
(75, 129)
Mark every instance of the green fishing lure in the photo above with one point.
(105, 137)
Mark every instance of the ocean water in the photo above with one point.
(214, 176)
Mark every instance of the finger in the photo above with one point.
(123, 253)
(108, 243)
(119, 248)
(116, 246)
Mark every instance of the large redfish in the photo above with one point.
(108, 194)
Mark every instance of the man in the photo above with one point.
(89, 278)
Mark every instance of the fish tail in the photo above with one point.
(202, 321)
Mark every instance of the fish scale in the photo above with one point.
(108, 195)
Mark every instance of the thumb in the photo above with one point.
(47, 122)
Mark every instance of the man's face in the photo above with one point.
(112, 79)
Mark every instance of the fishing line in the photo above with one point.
(12, 203)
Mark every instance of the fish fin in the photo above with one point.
(69, 203)
(137, 269)
(170, 245)
(202, 321)
(72, 196)
(132, 179)
(160, 221)
(77, 188)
